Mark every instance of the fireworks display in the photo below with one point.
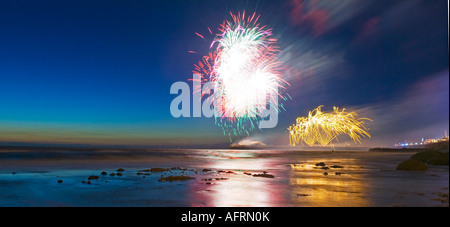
(322, 128)
(244, 71)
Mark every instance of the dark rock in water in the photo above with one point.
(223, 171)
(320, 164)
(156, 170)
(437, 158)
(119, 174)
(146, 174)
(325, 168)
(13, 173)
(222, 178)
(93, 177)
(60, 181)
(104, 173)
(325, 173)
(296, 165)
(120, 170)
(303, 195)
(206, 170)
(336, 167)
(412, 164)
(175, 178)
(338, 173)
(247, 173)
(86, 182)
(264, 175)
(112, 174)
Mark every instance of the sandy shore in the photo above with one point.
(222, 178)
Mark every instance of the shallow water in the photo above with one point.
(366, 179)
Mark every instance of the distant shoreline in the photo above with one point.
(440, 146)
(404, 149)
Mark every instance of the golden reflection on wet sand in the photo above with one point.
(311, 187)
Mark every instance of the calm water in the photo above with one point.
(366, 179)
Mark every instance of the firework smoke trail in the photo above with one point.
(244, 71)
(323, 128)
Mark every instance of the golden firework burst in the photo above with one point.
(322, 128)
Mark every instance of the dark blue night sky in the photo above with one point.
(99, 72)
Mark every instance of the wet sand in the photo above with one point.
(220, 178)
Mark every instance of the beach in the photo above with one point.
(216, 178)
